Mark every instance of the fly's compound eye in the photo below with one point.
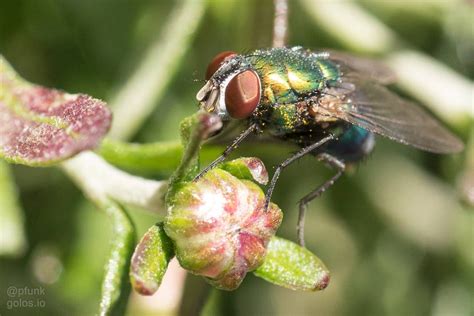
(217, 62)
(242, 94)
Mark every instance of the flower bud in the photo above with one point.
(219, 226)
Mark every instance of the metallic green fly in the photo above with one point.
(328, 103)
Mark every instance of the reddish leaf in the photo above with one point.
(41, 126)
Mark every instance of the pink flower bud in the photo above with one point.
(219, 226)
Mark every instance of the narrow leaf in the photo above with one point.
(292, 266)
(150, 260)
(115, 288)
(41, 126)
(249, 168)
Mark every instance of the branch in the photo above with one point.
(151, 158)
(102, 182)
(194, 297)
(280, 23)
(159, 157)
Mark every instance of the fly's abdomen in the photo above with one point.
(353, 145)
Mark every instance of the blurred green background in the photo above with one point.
(394, 232)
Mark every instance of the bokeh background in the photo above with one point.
(396, 232)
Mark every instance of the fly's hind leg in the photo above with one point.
(334, 163)
(287, 162)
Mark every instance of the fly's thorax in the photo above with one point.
(293, 80)
(289, 75)
(290, 118)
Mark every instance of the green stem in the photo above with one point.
(153, 158)
(195, 295)
(194, 130)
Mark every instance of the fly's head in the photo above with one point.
(233, 88)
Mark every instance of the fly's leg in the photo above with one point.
(336, 164)
(252, 128)
(284, 164)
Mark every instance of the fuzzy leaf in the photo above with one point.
(249, 168)
(292, 266)
(150, 260)
(41, 126)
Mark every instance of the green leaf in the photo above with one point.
(115, 288)
(292, 266)
(249, 168)
(41, 126)
(150, 260)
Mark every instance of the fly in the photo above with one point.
(330, 104)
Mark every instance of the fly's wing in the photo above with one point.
(375, 108)
(359, 67)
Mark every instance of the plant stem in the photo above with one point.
(100, 181)
(280, 23)
(151, 158)
(194, 130)
(195, 295)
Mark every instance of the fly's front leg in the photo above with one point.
(284, 164)
(334, 163)
(252, 128)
